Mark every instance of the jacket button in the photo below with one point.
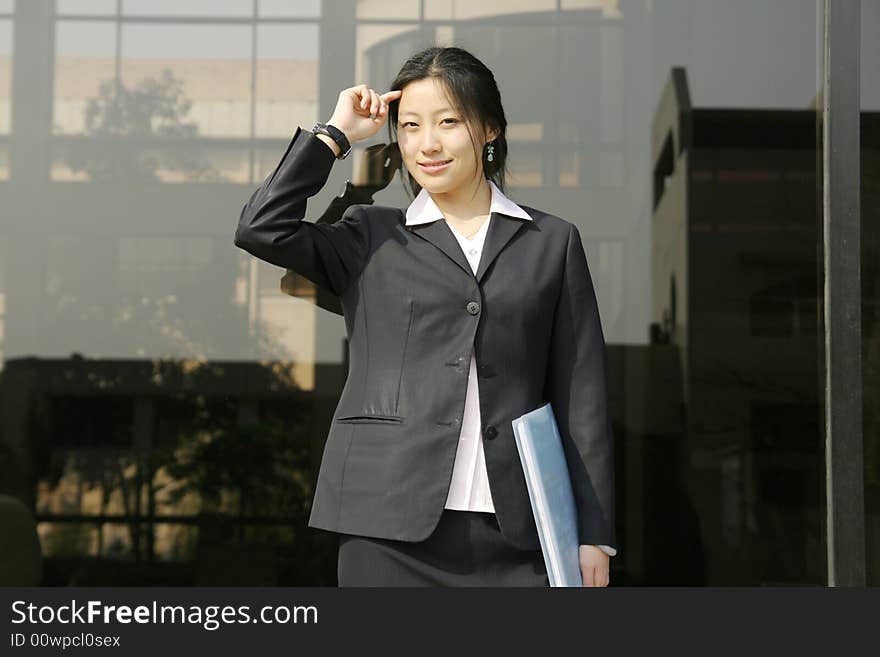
(490, 432)
(473, 307)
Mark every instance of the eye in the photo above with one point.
(409, 123)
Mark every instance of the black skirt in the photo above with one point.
(465, 549)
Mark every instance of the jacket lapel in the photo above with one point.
(440, 235)
(501, 230)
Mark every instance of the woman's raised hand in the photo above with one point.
(361, 112)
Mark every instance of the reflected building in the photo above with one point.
(737, 289)
(735, 278)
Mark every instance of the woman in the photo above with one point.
(463, 311)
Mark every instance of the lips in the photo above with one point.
(434, 167)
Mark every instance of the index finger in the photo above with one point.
(391, 95)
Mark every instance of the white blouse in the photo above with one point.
(469, 489)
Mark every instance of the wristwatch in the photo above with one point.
(336, 135)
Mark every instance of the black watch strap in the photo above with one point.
(336, 135)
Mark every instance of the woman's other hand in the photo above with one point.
(361, 112)
(594, 565)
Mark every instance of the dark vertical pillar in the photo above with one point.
(843, 366)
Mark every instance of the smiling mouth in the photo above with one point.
(434, 166)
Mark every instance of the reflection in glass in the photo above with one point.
(198, 163)
(85, 7)
(525, 168)
(287, 9)
(84, 59)
(742, 315)
(525, 131)
(375, 42)
(461, 10)
(145, 124)
(287, 79)
(210, 66)
(610, 165)
(569, 169)
(218, 8)
(5, 76)
(609, 8)
(143, 352)
(385, 9)
(111, 158)
(2, 310)
(142, 479)
(870, 251)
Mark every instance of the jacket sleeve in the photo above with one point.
(577, 382)
(271, 225)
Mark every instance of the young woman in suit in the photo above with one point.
(463, 311)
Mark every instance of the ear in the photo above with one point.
(491, 134)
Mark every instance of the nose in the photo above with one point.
(429, 143)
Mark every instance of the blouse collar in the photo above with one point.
(423, 209)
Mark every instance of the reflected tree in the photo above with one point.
(253, 471)
(151, 117)
(247, 485)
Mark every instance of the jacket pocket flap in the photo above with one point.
(364, 418)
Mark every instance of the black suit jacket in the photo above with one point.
(414, 311)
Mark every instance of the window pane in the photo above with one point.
(202, 72)
(287, 9)
(380, 47)
(679, 137)
(68, 539)
(397, 9)
(287, 79)
(84, 76)
(86, 7)
(462, 10)
(211, 8)
(609, 8)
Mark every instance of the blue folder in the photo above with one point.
(546, 471)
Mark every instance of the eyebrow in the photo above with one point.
(440, 111)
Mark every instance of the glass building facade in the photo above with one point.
(164, 397)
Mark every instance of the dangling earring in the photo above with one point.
(491, 150)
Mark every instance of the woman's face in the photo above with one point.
(429, 130)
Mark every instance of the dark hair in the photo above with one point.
(473, 93)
